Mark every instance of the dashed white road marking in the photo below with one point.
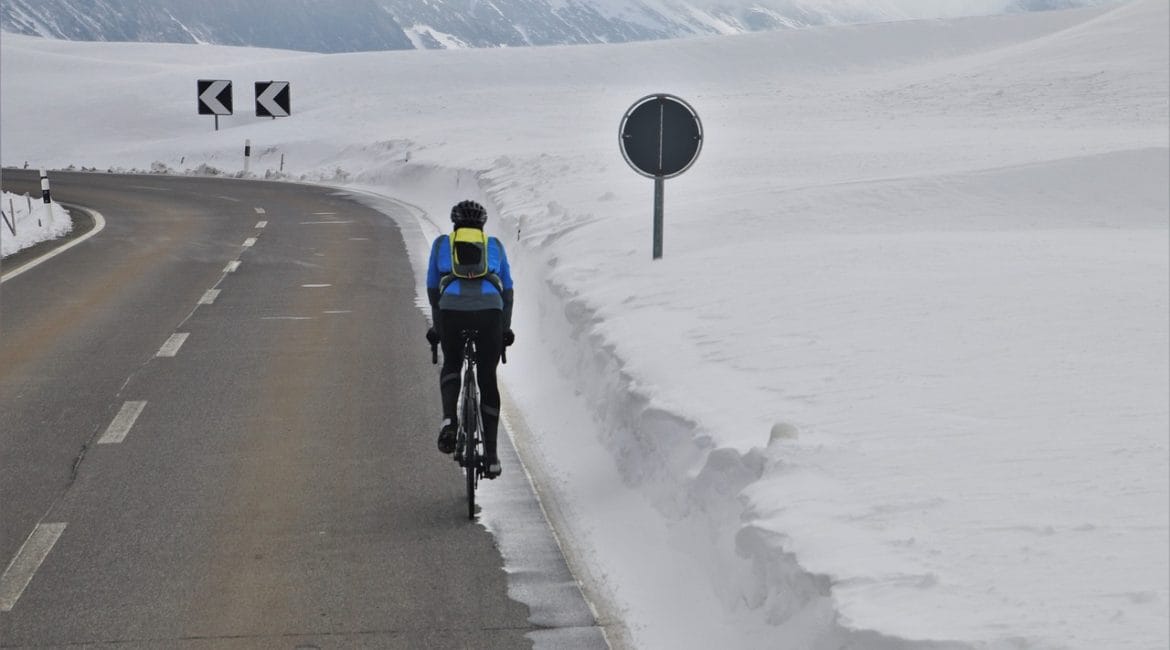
(324, 213)
(209, 296)
(228, 198)
(259, 210)
(249, 242)
(338, 311)
(359, 239)
(122, 423)
(261, 224)
(315, 286)
(232, 266)
(286, 318)
(171, 347)
(315, 223)
(28, 559)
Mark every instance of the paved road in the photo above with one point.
(272, 484)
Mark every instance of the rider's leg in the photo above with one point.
(490, 343)
(452, 322)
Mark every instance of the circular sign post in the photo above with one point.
(660, 137)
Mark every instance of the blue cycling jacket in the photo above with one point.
(463, 294)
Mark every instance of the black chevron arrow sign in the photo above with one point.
(215, 96)
(272, 99)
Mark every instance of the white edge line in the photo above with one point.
(25, 563)
(171, 347)
(99, 223)
(122, 423)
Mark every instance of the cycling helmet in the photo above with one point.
(468, 214)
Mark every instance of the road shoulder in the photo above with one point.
(83, 224)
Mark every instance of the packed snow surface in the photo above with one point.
(902, 374)
(27, 221)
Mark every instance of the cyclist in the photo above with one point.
(469, 286)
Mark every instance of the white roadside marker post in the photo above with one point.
(247, 155)
(45, 195)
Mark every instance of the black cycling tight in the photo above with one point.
(490, 325)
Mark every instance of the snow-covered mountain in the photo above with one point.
(363, 25)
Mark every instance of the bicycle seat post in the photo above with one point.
(469, 337)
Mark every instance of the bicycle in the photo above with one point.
(469, 439)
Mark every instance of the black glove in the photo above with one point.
(432, 336)
(509, 337)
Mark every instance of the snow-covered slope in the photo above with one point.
(903, 371)
(360, 25)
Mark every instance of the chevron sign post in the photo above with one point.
(272, 99)
(215, 98)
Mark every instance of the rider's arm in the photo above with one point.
(507, 309)
(433, 276)
(506, 282)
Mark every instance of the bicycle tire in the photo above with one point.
(471, 469)
(471, 453)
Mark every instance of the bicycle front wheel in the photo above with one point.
(472, 478)
(471, 455)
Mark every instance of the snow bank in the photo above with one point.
(901, 378)
(33, 222)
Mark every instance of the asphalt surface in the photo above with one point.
(279, 487)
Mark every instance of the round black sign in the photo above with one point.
(661, 136)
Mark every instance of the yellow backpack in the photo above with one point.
(469, 253)
(469, 258)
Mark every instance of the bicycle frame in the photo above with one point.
(470, 422)
(469, 436)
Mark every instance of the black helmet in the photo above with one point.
(468, 214)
